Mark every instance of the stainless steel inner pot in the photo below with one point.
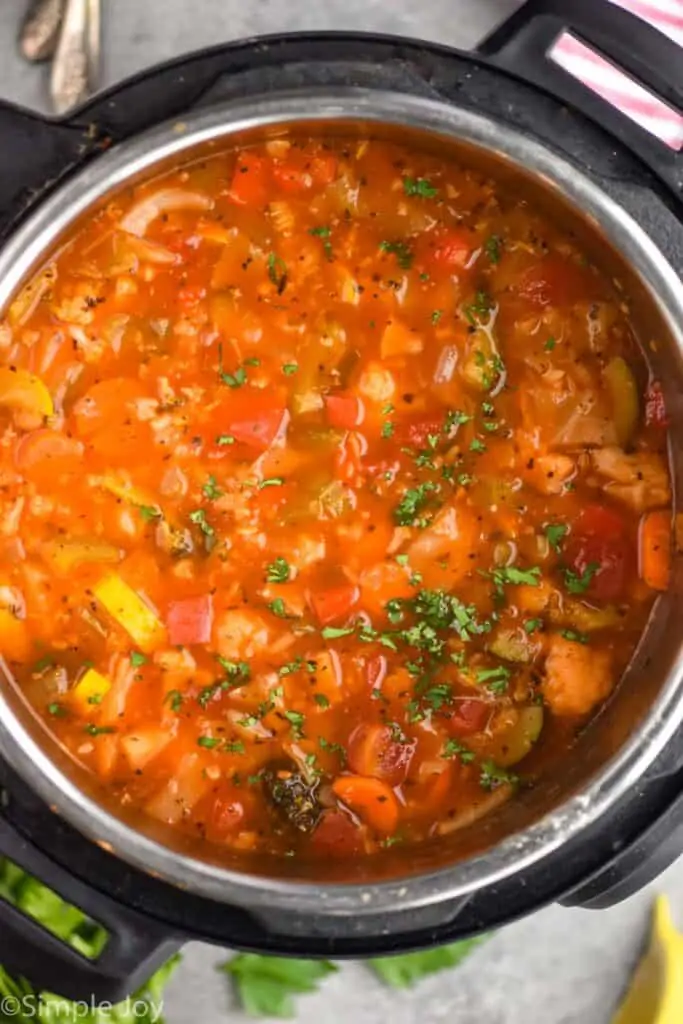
(642, 716)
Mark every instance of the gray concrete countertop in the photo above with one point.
(558, 966)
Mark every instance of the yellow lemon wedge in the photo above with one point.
(656, 992)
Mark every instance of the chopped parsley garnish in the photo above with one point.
(576, 636)
(149, 512)
(278, 608)
(436, 316)
(413, 503)
(211, 489)
(278, 571)
(290, 667)
(224, 439)
(271, 481)
(277, 272)
(579, 584)
(198, 517)
(324, 233)
(175, 699)
(98, 730)
(58, 710)
(321, 700)
(44, 663)
(402, 559)
(137, 658)
(296, 720)
(455, 418)
(477, 445)
(516, 577)
(492, 776)
(556, 532)
(238, 672)
(334, 632)
(480, 307)
(421, 187)
(402, 252)
(209, 742)
(496, 679)
(492, 248)
(387, 429)
(454, 748)
(550, 345)
(533, 625)
(334, 748)
(289, 368)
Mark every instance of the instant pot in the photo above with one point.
(613, 818)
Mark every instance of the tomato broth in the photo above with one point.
(334, 492)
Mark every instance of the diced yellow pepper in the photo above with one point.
(128, 492)
(90, 689)
(24, 392)
(131, 612)
(14, 641)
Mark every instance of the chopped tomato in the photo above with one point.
(554, 281)
(600, 553)
(334, 604)
(189, 621)
(249, 185)
(372, 750)
(337, 835)
(655, 408)
(225, 817)
(344, 411)
(454, 249)
(261, 431)
(468, 717)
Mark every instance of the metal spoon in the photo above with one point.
(75, 69)
(40, 29)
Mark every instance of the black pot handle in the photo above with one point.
(521, 45)
(136, 947)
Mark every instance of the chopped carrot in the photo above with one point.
(335, 603)
(371, 799)
(655, 549)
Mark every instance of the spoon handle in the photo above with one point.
(76, 63)
(40, 30)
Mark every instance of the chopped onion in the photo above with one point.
(446, 366)
(150, 252)
(141, 215)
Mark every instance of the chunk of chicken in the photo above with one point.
(640, 480)
(240, 634)
(576, 677)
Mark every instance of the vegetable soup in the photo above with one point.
(334, 496)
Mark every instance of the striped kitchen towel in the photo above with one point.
(616, 87)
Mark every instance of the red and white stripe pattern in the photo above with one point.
(616, 87)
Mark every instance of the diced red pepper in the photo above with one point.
(599, 551)
(655, 408)
(344, 411)
(334, 604)
(454, 249)
(261, 430)
(416, 431)
(249, 185)
(469, 716)
(189, 621)
(373, 751)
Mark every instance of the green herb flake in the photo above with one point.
(402, 559)
(149, 512)
(238, 672)
(321, 700)
(278, 571)
(289, 368)
(556, 532)
(481, 306)
(57, 710)
(277, 271)
(271, 481)
(198, 517)
(496, 679)
(387, 429)
(477, 445)
(436, 316)
(208, 742)
(175, 699)
(579, 583)
(278, 607)
(492, 776)
(575, 636)
(533, 625)
(334, 632)
(402, 252)
(454, 748)
(324, 233)
(98, 730)
(413, 503)
(211, 490)
(492, 247)
(296, 720)
(421, 187)
(225, 439)
(550, 344)
(137, 658)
